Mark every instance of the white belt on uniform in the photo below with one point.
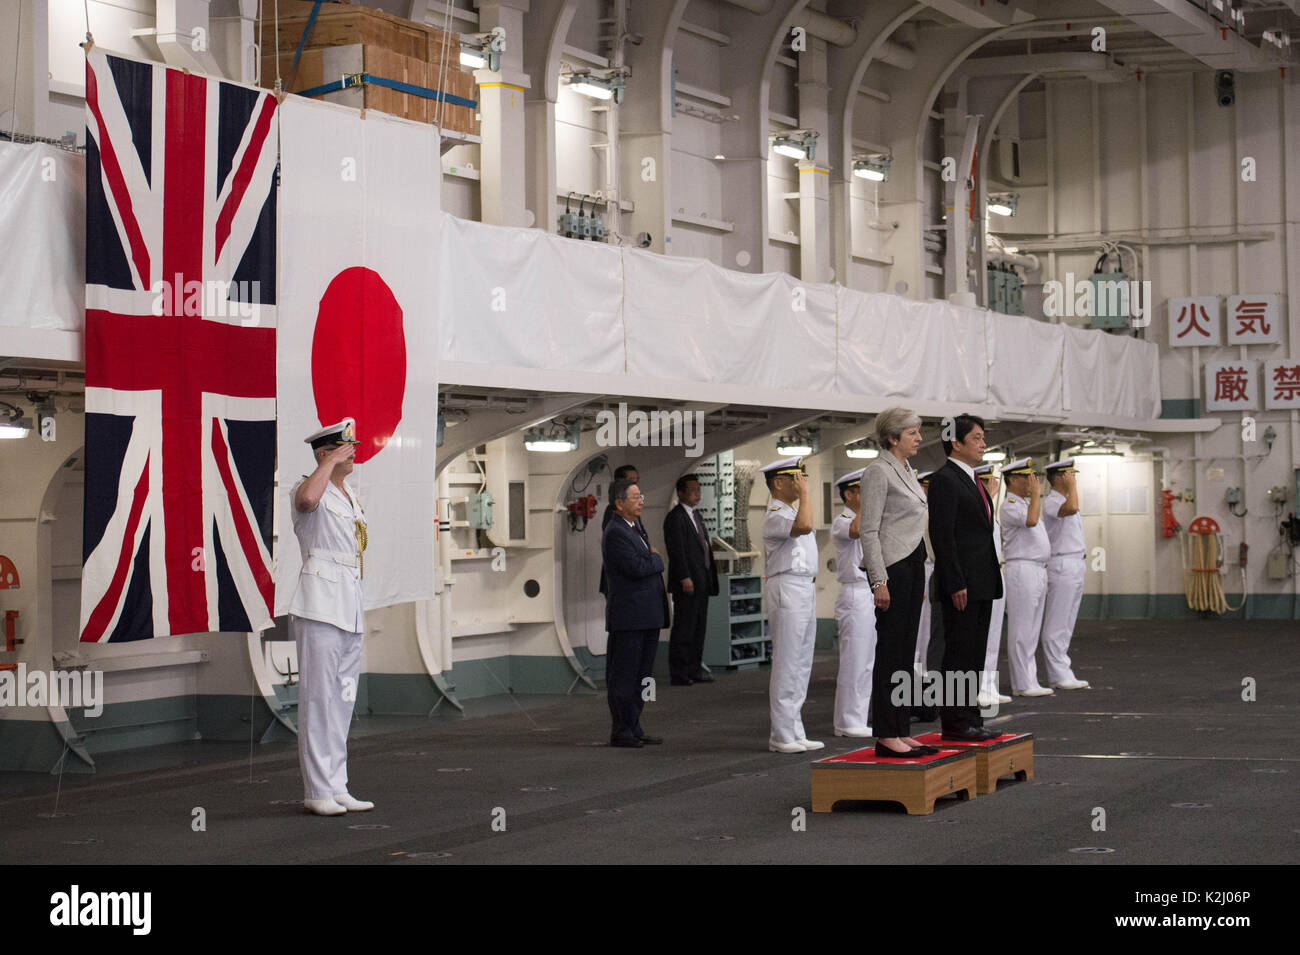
(1034, 560)
(347, 560)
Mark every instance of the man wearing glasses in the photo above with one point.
(636, 609)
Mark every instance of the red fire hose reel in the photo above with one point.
(9, 581)
(1171, 524)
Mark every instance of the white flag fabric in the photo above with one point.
(358, 329)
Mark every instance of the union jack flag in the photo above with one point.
(180, 353)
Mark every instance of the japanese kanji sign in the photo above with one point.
(1253, 319)
(1194, 321)
(1231, 385)
(1282, 383)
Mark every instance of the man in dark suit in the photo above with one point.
(693, 579)
(966, 573)
(635, 611)
(624, 472)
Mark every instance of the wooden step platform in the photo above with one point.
(916, 783)
(1011, 754)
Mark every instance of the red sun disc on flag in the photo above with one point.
(358, 358)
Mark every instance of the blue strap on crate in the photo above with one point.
(421, 91)
(311, 21)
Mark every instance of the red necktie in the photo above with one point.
(984, 496)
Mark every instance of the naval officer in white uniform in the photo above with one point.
(1027, 549)
(325, 618)
(855, 615)
(1065, 573)
(988, 694)
(790, 601)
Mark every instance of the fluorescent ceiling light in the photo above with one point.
(1003, 204)
(472, 58)
(555, 438)
(992, 457)
(862, 452)
(587, 88)
(15, 428)
(798, 144)
(873, 168)
(799, 442)
(547, 444)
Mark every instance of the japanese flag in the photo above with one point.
(358, 331)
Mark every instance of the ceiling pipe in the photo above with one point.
(834, 31)
(1023, 259)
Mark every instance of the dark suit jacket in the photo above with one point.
(604, 523)
(686, 557)
(961, 535)
(636, 599)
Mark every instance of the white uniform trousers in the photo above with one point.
(792, 621)
(329, 663)
(1026, 585)
(1065, 576)
(923, 629)
(855, 613)
(989, 676)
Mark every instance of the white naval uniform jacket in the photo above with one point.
(796, 556)
(329, 584)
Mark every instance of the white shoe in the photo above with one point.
(858, 731)
(776, 746)
(985, 700)
(323, 807)
(811, 744)
(352, 804)
(1003, 699)
(1036, 691)
(1071, 685)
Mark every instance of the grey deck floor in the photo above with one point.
(1186, 772)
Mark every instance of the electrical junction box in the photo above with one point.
(997, 294)
(479, 511)
(717, 505)
(1277, 565)
(1014, 294)
(1110, 305)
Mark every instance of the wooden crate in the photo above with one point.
(1009, 755)
(389, 47)
(916, 783)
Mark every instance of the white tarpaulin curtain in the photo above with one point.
(521, 298)
(1141, 373)
(1084, 375)
(530, 300)
(1025, 362)
(358, 329)
(894, 347)
(42, 237)
(690, 319)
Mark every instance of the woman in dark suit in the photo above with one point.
(892, 529)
